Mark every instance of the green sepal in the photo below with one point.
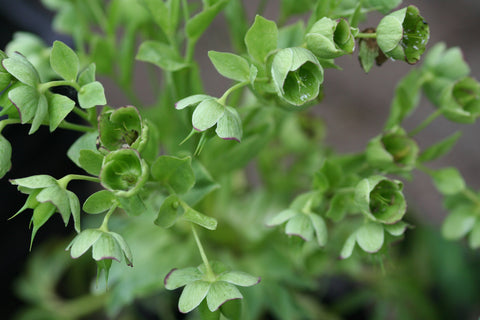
(230, 65)
(206, 114)
(192, 295)
(99, 202)
(91, 94)
(229, 126)
(41, 213)
(297, 75)
(57, 196)
(5, 156)
(221, 292)
(460, 102)
(64, 61)
(177, 278)
(161, 55)
(20, 68)
(261, 39)
(174, 172)
(370, 237)
(191, 101)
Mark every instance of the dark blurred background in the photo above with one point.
(355, 108)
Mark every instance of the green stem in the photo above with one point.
(69, 177)
(223, 99)
(366, 35)
(6, 122)
(210, 274)
(104, 226)
(76, 127)
(471, 196)
(98, 14)
(81, 113)
(425, 123)
(42, 87)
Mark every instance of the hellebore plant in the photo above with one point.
(195, 172)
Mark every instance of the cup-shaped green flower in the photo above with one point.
(403, 35)
(297, 75)
(461, 101)
(104, 244)
(122, 127)
(329, 39)
(392, 151)
(217, 287)
(381, 199)
(123, 172)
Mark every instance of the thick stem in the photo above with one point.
(6, 122)
(223, 99)
(76, 127)
(366, 35)
(66, 180)
(42, 87)
(104, 226)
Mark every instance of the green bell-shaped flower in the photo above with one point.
(123, 172)
(297, 75)
(329, 39)
(393, 151)
(403, 35)
(122, 127)
(461, 101)
(380, 199)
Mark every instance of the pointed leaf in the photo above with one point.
(35, 182)
(99, 202)
(261, 38)
(92, 94)
(230, 65)
(161, 55)
(41, 214)
(41, 114)
(87, 75)
(197, 25)
(59, 106)
(64, 61)
(440, 148)
(199, 218)
(58, 196)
